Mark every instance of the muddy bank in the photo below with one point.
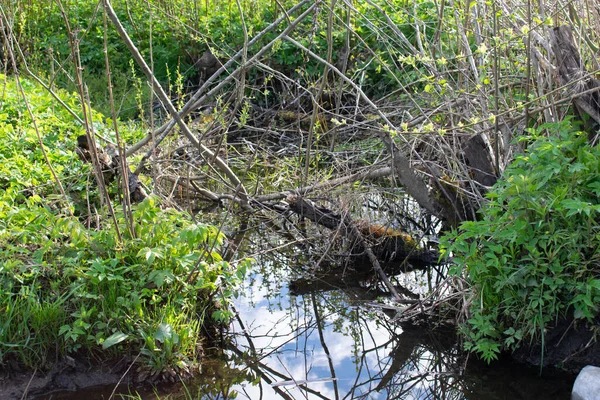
(66, 375)
(570, 346)
(80, 380)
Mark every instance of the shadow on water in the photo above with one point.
(335, 344)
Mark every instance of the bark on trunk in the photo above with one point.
(573, 74)
(387, 244)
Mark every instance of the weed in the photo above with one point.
(66, 288)
(534, 255)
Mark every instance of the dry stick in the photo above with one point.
(164, 130)
(317, 98)
(407, 176)
(151, 111)
(359, 176)
(24, 396)
(220, 229)
(240, 88)
(48, 88)
(87, 122)
(242, 80)
(384, 65)
(438, 30)
(497, 91)
(431, 68)
(126, 201)
(344, 65)
(545, 107)
(196, 100)
(284, 11)
(204, 151)
(528, 52)
(123, 376)
(540, 58)
(95, 151)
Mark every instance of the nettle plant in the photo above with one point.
(533, 257)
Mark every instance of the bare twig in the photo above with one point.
(204, 151)
(196, 99)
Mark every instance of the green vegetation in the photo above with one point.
(67, 284)
(534, 255)
(441, 73)
(175, 34)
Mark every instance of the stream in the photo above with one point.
(334, 344)
(329, 345)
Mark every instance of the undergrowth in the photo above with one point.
(68, 286)
(533, 257)
(176, 34)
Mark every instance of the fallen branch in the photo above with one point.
(331, 220)
(409, 179)
(358, 176)
(204, 151)
(405, 248)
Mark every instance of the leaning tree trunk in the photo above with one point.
(579, 83)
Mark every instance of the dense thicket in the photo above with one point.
(440, 95)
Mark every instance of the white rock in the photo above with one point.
(587, 384)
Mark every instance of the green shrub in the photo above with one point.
(534, 254)
(67, 288)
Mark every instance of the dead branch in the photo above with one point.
(572, 72)
(199, 97)
(209, 156)
(392, 245)
(367, 174)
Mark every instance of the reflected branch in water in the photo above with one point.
(262, 369)
(324, 345)
(334, 343)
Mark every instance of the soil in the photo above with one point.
(66, 375)
(570, 346)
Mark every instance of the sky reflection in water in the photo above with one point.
(370, 356)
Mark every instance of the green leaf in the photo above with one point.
(113, 339)
(163, 333)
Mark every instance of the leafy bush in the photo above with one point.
(182, 30)
(67, 288)
(534, 255)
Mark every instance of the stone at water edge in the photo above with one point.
(587, 384)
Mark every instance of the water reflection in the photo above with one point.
(331, 343)
(326, 346)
